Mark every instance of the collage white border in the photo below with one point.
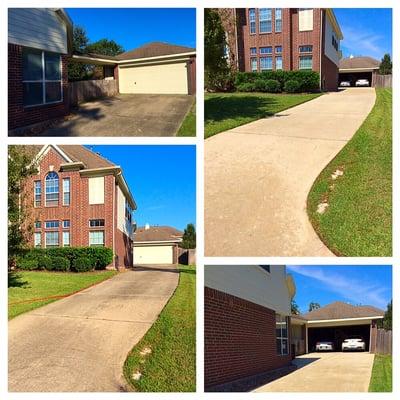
(200, 5)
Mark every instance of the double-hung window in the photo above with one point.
(41, 77)
(96, 223)
(266, 50)
(278, 49)
(278, 19)
(253, 64)
(305, 62)
(265, 63)
(96, 238)
(278, 63)
(66, 239)
(252, 20)
(306, 48)
(52, 189)
(66, 192)
(54, 224)
(265, 19)
(282, 341)
(253, 51)
(38, 239)
(38, 193)
(52, 239)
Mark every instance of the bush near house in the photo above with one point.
(277, 81)
(65, 259)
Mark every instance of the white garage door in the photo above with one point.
(153, 255)
(154, 79)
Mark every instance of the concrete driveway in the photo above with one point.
(326, 372)
(258, 176)
(79, 344)
(126, 115)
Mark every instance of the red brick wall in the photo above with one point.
(329, 75)
(239, 339)
(18, 115)
(79, 211)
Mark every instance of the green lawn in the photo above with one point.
(171, 365)
(28, 290)
(358, 220)
(188, 127)
(223, 111)
(381, 378)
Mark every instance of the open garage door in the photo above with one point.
(352, 77)
(337, 335)
(166, 78)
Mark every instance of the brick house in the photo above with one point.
(40, 47)
(246, 322)
(79, 198)
(262, 39)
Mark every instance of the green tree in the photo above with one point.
(387, 319)
(105, 47)
(217, 73)
(294, 307)
(189, 237)
(385, 67)
(19, 168)
(78, 71)
(313, 306)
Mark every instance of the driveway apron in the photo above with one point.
(326, 372)
(258, 176)
(79, 344)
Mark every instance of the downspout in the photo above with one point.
(236, 41)
(320, 50)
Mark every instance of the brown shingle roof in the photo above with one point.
(154, 49)
(79, 153)
(157, 234)
(358, 62)
(340, 310)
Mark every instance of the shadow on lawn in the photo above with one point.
(218, 108)
(15, 280)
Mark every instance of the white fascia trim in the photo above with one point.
(321, 321)
(95, 59)
(358, 69)
(172, 56)
(45, 149)
(158, 241)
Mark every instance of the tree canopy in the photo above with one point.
(385, 67)
(313, 306)
(189, 237)
(294, 308)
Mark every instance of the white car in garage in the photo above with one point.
(324, 346)
(362, 82)
(353, 344)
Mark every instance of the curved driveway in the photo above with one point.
(79, 344)
(258, 175)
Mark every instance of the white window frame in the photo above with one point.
(252, 13)
(35, 236)
(268, 18)
(69, 239)
(64, 192)
(66, 226)
(43, 82)
(45, 190)
(97, 244)
(251, 64)
(308, 68)
(34, 193)
(281, 338)
(52, 227)
(278, 19)
(276, 64)
(266, 48)
(97, 226)
(271, 63)
(58, 238)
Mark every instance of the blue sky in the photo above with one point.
(361, 284)
(162, 180)
(133, 27)
(366, 31)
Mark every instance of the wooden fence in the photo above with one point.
(383, 342)
(81, 91)
(383, 81)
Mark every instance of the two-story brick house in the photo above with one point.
(263, 39)
(79, 198)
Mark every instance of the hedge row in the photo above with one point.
(77, 259)
(277, 81)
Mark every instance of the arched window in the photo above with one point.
(52, 189)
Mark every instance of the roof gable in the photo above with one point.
(158, 234)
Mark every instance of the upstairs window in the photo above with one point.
(278, 20)
(66, 192)
(52, 189)
(66, 223)
(306, 48)
(38, 224)
(52, 224)
(252, 20)
(41, 77)
(265, 18)
(96, 223)
(253, 51)
(278, 49)
(265, 50)
(38, 193)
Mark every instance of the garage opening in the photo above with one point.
(337, 335)
(352, 77)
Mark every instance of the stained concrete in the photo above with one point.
(79, 344)
(126, 115)
(326, 372)
(258, 176)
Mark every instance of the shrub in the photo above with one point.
(260, 85)
(104, 257)
(59, 264)
(272, 86)
(292, 86)
(246, 87)
(83, 264)
(44, 262)
(28, 264)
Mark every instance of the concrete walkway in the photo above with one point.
(326, 372)
(79, 344)
(258, 176)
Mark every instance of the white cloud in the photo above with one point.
(354, 289)
(361, 42)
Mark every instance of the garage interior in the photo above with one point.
(352, 77)
(337, 334)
